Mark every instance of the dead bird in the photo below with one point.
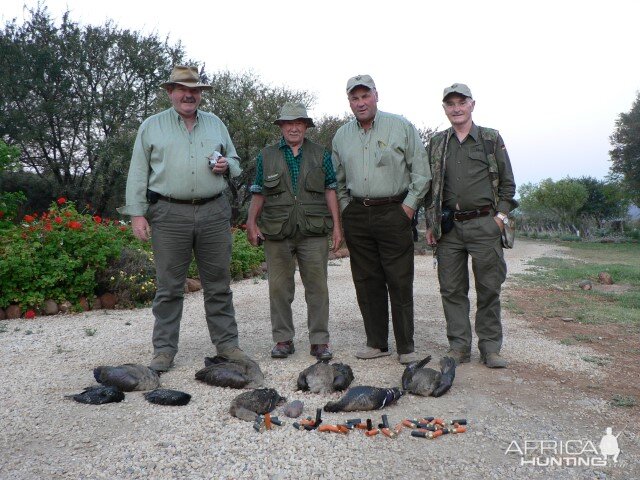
(256, 402)
(223, 372)
(165, 396)
(98, 395)
(427, 381)
(127, 377)
(364, 398)
(324, 378)
(293, 409)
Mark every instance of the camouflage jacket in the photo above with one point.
(437, 154)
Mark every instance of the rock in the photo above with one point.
(50, 307)
(108, 300)
(84, 303)
(567, 319)
(585, 285)
(3, 315)
(64, 306)
(96, 304)
(13, 311)
(605, 278)
(193, 285)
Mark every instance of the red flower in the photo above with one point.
(30, 314)
(67, 213)
(123, 228)
(58, 219)
(97, 219)
(48, 227)
(29, 218)
(73, 225)
(61, 201)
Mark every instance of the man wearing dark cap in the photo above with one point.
(175, 196)
(293, 209)
(471, 194)
(382, 175)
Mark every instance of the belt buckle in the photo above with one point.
(195, 201)
(365, 202)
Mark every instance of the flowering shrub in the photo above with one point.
(245, 258)
(56, 255)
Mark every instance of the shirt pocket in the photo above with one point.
(478, 164)
(207, 149)
(385, 154)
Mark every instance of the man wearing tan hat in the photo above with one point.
(175, 196)
(293, 208)
(382, 174)
(471, 194)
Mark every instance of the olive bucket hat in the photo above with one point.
(187, 76)
(294, 111)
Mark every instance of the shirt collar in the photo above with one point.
(474, 132)
(283, 143)
(373, 124)
(177, 116)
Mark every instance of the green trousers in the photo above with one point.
(311, 254)
(179, 232)
(380, 242)
(480, 239)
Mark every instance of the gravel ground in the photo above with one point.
(44, 435)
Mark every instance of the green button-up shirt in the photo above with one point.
(385, 161)
(293, 163)
(467, 185)
(171, 161)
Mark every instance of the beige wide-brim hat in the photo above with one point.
(294, 111)
(187, 76)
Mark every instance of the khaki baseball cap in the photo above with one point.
(294, 111)
(360, 80)
(460, 88)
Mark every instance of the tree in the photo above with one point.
(70, 94)
(625, 155)
(605, 200)
(558, 201)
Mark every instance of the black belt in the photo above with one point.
(462, 215)
(374, 202)
(194, 201)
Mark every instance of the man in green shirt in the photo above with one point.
(473, 185)
(174, 196)
(382, 174)
(293, 208)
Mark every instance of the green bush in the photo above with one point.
(131, 276)
(245, 258)
(56, 255)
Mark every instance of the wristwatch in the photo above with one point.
(503, 217)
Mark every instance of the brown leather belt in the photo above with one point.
(374, 202)
(194, 201)
(462, 215)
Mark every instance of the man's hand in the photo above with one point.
(500, 223)
(336, 238)
(254, 235)
(141, 228)
(431, 239)
(408, 210)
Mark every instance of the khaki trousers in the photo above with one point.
(179, 232)
(380, 242)
(480, 239)
(311, 254)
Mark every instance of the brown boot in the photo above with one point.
(493, 360)
(162, 362)
(283, 349)
(459, 356)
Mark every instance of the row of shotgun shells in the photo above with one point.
(431, 427)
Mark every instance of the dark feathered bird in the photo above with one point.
(256, 402)
(98, 395)
(127, 377)
(364, 398)
(324, 378)
(165, 396)
(223, 372)
(427, 381)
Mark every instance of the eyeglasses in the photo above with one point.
(454, 105)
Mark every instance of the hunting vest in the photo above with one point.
(283, 210)
(437, 153)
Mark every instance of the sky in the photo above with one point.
(551, 76)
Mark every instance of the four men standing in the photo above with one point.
(371, 185)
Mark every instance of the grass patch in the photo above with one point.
(600, 361)
(558, 278)
(623, 401)
(90, 332)
(3, 327)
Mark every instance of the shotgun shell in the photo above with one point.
(427, 419)
(419, 433)
(388, 433)
(297, 426)
(354, 420)
(372, 432)
(461, 421)
(427, 426)
(385, 421)
(361, 426)
(369, 424)
(267, 421)
(409, 423)
(277, 421)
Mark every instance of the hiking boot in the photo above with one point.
(233, 353)
(369, 352)
(321, 351)
(283, 349)
(406, 358)
(162, 362)
(493, 360)
(459, 356)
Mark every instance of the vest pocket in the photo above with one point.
(317, 223)
(273, 184)
(272, 224)
(314, 181)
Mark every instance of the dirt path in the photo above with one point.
(543, 397)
